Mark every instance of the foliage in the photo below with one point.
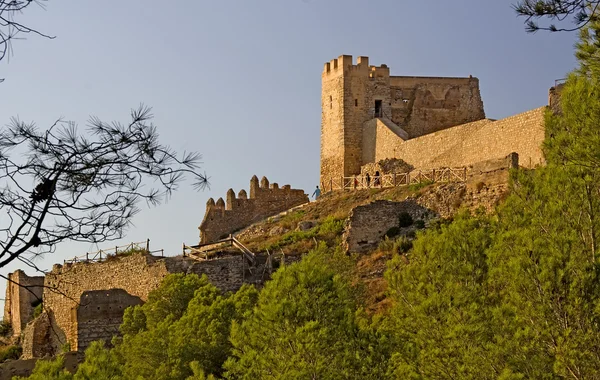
(419, 224)
(49, 370)
(11, 29)
(10, 352)
(37, 311)
(441, 318)
(579, 12)
(88, 185)
(418, 186)
(100, 363)
(305, 326)
(392, 232)
(404, 220)
(5, 328)
(328, 229)
(517, 296)
(399, 245)
(182, 331)
(198, 373)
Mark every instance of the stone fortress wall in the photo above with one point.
(429, 122)
(225, 217)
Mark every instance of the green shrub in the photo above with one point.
(5, 328)
(37, 311)
(405, 220)
(403, 244)
(331, 226)
(10, 352)
(392, 232)
(419, 186)
(399, 245)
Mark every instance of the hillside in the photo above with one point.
(297, 231)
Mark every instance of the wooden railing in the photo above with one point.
(104, 254)
(202, 251)
(396, 179)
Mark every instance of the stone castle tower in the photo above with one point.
(354, 94)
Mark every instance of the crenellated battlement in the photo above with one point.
(344, 64)
(235, 212)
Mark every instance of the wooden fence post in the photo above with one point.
(148, 245)
(342, 183)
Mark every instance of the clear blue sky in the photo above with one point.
(239, 81)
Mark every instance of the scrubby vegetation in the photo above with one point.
(5, 328)
(10, 352)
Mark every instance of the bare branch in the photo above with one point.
(82, 187)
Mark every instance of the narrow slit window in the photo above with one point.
(355, 102)
(330, 101)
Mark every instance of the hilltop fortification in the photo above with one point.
(429, 122)
(369, 118)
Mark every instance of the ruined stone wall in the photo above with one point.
(136, 274)
(223, 218)
(22, 293)
(36, 338)
(425, 105)
(124, 280)
(367, 224)
(467, 144)
(353, 94)
(100, 314)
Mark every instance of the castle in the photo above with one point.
(428, 122)
(368, 116)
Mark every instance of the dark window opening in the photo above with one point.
(330, 102)
(355, 102)
(378, 110)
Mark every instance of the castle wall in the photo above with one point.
(467, 144)
(223, 218)
(100, 314)
(22, 292)
(86, 301)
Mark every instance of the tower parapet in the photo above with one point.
(223, 218)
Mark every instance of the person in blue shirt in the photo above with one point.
(316, 193)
